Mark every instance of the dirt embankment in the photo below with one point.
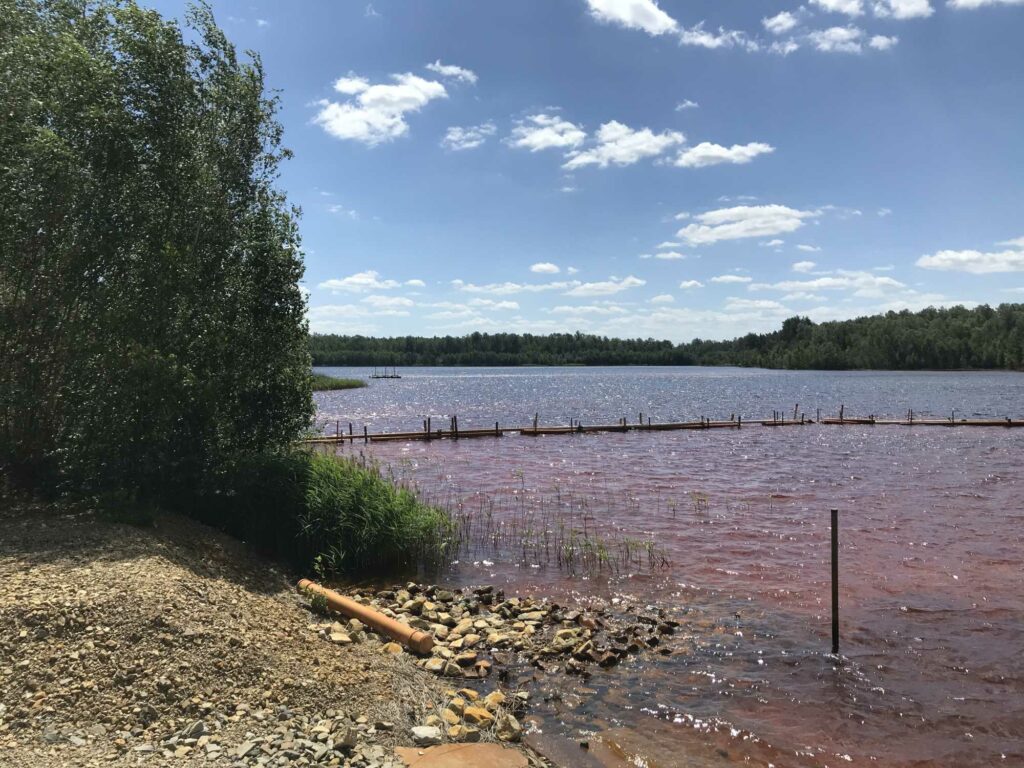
(175, 645)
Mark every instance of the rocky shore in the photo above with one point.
(173, 645)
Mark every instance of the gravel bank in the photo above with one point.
(175, 645)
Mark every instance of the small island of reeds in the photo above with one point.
(323, 383)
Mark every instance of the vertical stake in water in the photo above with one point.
(835, 581)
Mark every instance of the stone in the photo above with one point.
(463, 755)
(244, 748)
(450, 717)
(508, 728)
(457, 705)
(435, 665)
(465, 659)
(341, 638)
(478, 716)
(393, 649)
(468, 694)
(426, 735)
(493, 700)
(194, 730)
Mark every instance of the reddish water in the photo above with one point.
(932, 585)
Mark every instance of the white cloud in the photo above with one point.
(663, 298)
(370, 12)
(885, 211)
(377, 113)
(644, 15)
(388, 302)
(491, 304)
(670, 256)
(733, 304)
(686, 104)
(682, 216)
(667, 244)
(837, 39)
(780, 23)
(972, 4)
(978, 262)
(848, 7)
(743, 221)
(773, 243)
(688, 284)
(262, 23)
(572, 270)
(619, 144)
(861, 283)
(545, 268)
(903, 9)
(727, 279)
(803, 296)
(706, 153)
(724, 38)
(505, 289)
(784, 47)
(452, 71)
(340, 210)
(414, 283)
(606, 287)
(883, 43)
(588, 309)
(360, 282)
(804, 266)
(543, 131)
(568, 188)
(472, 136)
(808, 248)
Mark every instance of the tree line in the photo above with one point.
(980, 338)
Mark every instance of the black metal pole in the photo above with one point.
(835, 581)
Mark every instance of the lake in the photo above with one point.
(931, 530)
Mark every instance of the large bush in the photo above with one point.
(151, 324)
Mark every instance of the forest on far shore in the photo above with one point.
(981, 338)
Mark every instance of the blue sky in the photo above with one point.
(632, 168)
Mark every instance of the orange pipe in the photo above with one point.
(414, 639)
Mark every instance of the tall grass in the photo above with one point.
(340, 515)
(323, 383)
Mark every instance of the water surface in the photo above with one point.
(932, 585)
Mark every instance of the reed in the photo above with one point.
(324, 383)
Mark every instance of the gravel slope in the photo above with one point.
(176, 645)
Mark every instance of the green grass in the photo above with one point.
(336, 515)
(322, 383)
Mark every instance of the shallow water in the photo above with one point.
(931, 529)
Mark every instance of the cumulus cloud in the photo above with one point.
(784, 47)
(415, 283)
(360, 282)
(972, 4)
(706, 153)
(723, 38)
(978, 262)
(388, 302)
(643, 15)
(542, 131)
(903, 9)
(470, 137)
(837, 39)
(733, 279)
(688, 284)
(686, 104)
(780, 23)
(588, 309)
(606, 287)
(733, 304)
(848, 7)
(545, 268)
(804, 266)
(860, 282)
(808, 248)
(883, 43)
(491, 304)
(662, 298)
(504, 289)
(618, 144)
(743, 221)
(376, 113)
(453, 72)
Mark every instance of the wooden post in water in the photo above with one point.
(455, 425)
(497, 431)
(366, 436)
(795, 409)
(835, 581)
(819, 416)
(350, 429)
(841, 407)
(428, 427)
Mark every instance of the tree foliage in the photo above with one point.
(931, 339)
(152, 324)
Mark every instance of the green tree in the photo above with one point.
(152, 325)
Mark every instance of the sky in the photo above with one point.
(671, 169)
